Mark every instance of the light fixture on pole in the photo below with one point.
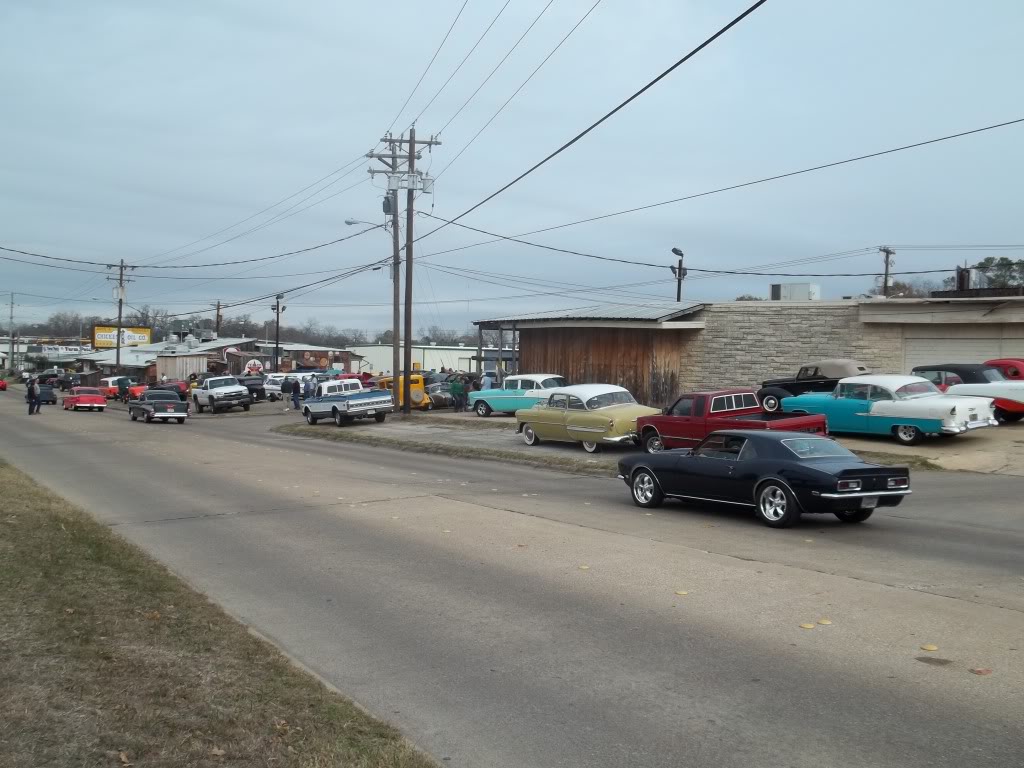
(679, 272)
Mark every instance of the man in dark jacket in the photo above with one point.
(32, 396)
(296, 393)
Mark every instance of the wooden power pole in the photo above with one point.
(887, 254)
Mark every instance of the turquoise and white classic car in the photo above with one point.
(521, 391)
(905, 407)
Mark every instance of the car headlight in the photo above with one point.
(849, 485)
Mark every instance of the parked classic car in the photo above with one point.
(590, 414)
(84, 398)
(695, 415)
(345, 401)
(516, 392)
(158, 405)
(440, 395)
(111, 387)
(3, 385)
(821, 376)
(1011, 368)
(978, 380)
(47, 394)
(417, 390)
(781, 475)
(906, 407)
(180, 387)
(255, 386)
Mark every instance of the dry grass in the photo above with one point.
(106, 659)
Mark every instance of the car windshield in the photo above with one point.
(228, 381)
(86, 391)
(917, 389)
(553, 382)
(158, 395)
(609, 398)
(816, 448)
(993, 374)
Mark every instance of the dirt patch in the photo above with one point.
(106, 659)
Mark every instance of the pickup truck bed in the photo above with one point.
(696, 415)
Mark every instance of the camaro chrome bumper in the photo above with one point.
(862, 494)
(957, 429)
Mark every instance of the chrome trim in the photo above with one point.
(862, 494)
(620, 439)
(713, 501)
(586, 429)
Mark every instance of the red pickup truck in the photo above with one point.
(696, 415)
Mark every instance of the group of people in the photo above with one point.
(32, 396)
(461, 384)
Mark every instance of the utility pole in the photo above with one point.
(887, 254)
(217, 319)
(120, 309)
(679, 273)
(412, 181)
(10, 330)
(278, 309)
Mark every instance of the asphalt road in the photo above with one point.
(450, 596)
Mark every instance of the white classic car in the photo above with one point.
(978, 381)
(906, 407)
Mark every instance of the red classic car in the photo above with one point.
(3, 385)
(1011, 368)
(85, 398)
(696, 415)
(110, 388)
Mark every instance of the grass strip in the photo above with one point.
(107, 659)
(602, 466)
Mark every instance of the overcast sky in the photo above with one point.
(132, 128)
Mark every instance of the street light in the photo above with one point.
(679, 273)
(396, 289)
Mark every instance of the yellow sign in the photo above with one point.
(105, 336)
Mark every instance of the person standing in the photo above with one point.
(307, 389)
(296, 393)
(486, 382)
(30, 396)
(458, 390)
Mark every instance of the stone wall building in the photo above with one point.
(742, 343)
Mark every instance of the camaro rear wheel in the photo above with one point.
(590, 447)
(529, 436)
(908, 435)
(776, 506)
(645, 490)
(653, 443)
(854, 515)
(482, 408)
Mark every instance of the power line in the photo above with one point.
(517, 90)
(464, 60)
(774, 178)
(498, 65)
(336, 171)
(608, 115)
(429, 65)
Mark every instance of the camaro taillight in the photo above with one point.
(899, 482)
(849, 485)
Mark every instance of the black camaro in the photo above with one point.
(781, 475)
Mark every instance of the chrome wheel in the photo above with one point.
(908, 435)
(529, 436)
(654, 444)
(773, 503)
(482, 408)
(591, 447)
(643, 488)
(770, 403)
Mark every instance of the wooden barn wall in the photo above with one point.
(646, 362)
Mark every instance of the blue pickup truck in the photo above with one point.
(344, 401)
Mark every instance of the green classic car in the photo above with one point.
(590, 414)
(514, 393)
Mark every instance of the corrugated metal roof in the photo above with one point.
(639, 312)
